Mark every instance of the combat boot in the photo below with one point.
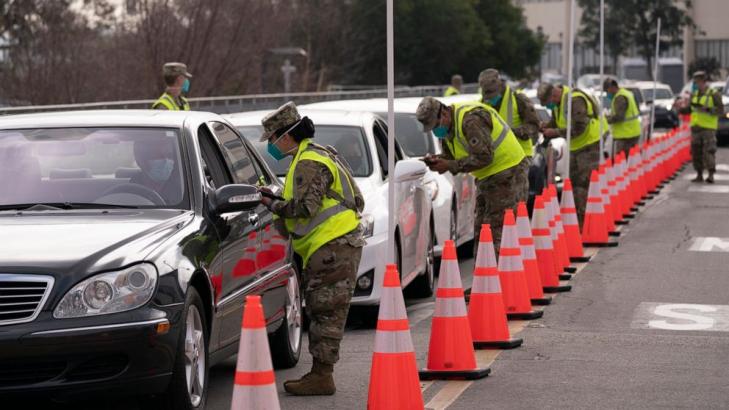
(318, 382)
(699, 177)
(710, 178)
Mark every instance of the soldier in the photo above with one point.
(624, 118)
(321, 211)
(455, 87)
(475, 139)
(706, 107)
(514, 107)
(177, 82)
(585, 141)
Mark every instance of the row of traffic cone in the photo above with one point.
(533, 257)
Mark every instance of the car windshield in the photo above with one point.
(410, 135)
(661, 94)
(92, 168)
(349, 142)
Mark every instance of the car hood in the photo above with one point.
(62, 241)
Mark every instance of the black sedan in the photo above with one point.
(128, 242)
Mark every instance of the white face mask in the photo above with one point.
(160, 169)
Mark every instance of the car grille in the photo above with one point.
(99, 368)
(29, 372)
(22, 297)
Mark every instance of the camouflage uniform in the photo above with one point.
(703, 141)
(498, 192)
(620, 106)
(173, 69)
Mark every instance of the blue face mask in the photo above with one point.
(494, 101)
(186, 86)
(610, 96)
(440, 132)
(695, 87)
(275, 152)
(551, 105)
(160, 169)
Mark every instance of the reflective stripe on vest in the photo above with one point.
(629, 127)
(591, 134)
(169, 102)
(335, 217)
(451, 90)
(703, 119)
(507, 151)
(510, 112)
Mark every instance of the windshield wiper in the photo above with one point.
(50, 206)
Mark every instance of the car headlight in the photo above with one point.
(368, 223)
(432, 187)
(110, 292)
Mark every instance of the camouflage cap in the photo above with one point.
(456, 78)
(490, 83)
(544, 91)
(699, 75)
(170, 69)
(285, 116)
(427, 112)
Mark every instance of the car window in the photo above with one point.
(410, 135)
(237, 156)
(349, 142)
(216, 172)
(139, 167)
(638, 96)
(661, 94)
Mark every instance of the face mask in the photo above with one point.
(494, 101)
(695, 87)
(186, 86)
(274, 151)
(610, 96)
(440, 131)
(551, 105)
(160, 169)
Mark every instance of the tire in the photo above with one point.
(178, 396)
(368, 315)
(422, 286)
(286, 341)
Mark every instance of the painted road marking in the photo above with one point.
(681, 317)
(448, 394)
(712, 189)
(717, 177)
(710, 244)
(722, 167)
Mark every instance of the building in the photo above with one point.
(551, 17)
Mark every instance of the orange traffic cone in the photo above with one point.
(529, 257)
(486, 312)
(612, 179)
(255, 384)
(450, 354)
(394, 380)
(543, 247)
(594, 230)
(511, 272)
(571, 225)
(561, 237)
(606, 199)
(560, 252)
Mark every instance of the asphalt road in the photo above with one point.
(645, 326)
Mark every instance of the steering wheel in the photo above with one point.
(135, 189)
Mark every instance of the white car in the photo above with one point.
(454, 197)
(361, 139)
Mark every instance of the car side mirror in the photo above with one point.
(409, 169)
(235, 198)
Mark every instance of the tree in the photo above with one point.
(710, 65)
(634, 23)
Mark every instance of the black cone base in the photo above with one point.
(547, 300)
(614, 233)
(565, 276)
(505, 344)
(622, 222)
(557, 289)
(580, 258)
(570, 269)
(474, 374)
(534, 314)
(634, 209)
(630, 215)
(600, 244)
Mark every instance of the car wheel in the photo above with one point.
(422, 286)
(286, 341)
(188, 387)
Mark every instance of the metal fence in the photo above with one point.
(242, 103)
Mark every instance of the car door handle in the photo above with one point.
(253, 219)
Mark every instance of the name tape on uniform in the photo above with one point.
(681, 317)
(710, 244)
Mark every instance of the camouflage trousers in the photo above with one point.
(703, 149)
(624, 145)
(498, 193)
(582, 162)
(327, 300)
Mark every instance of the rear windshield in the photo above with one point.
(135, 167)
(410, 135)
(349, 142)
(661, 94)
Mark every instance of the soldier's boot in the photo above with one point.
(699, 177)
(710, 178)
(318, 382)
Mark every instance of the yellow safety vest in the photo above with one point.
(703, 119)
(451, 90)
(336, 216)
(591, 134)
(629, 127)
(510, 112)
(507, 151)
(168, 101)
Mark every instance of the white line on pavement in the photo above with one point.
(681, 317)
(717, 177)
(710, 244)
(712, 189)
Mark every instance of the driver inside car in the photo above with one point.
(157, 160)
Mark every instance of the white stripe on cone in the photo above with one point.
(393, 341)
(450, 307)
(486, 284)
